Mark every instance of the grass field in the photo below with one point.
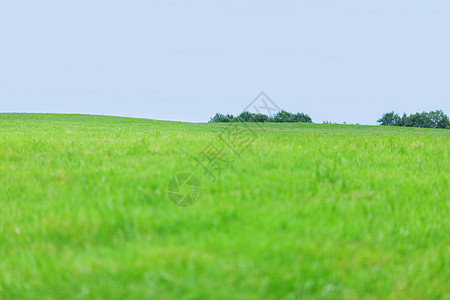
(309, 211)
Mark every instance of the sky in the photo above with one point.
(338, 61)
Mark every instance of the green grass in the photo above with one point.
(309, 211)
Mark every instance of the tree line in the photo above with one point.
(280, 117)
(432, 119)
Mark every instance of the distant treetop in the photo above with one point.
(280, 117)
(432, 119)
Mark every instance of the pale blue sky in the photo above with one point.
(185, 60)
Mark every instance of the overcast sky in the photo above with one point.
(186, 60)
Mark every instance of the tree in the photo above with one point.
(283, 116)
(401, 120)
(258, 118)
(439, 119)
(304, 118)
(412, 120)
(220, 118)
(425, 120)
(389, 119)
(280, 117)
(244, 116)
(433, 119)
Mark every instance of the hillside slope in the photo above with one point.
(304, 210)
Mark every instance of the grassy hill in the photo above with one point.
(306, 211)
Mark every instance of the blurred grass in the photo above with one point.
(309, 211)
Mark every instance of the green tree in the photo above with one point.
(220, 118)
(244, 116)
(389, 119)
(301, 117)
(258, 118)
(283, 116)
(439, 119)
